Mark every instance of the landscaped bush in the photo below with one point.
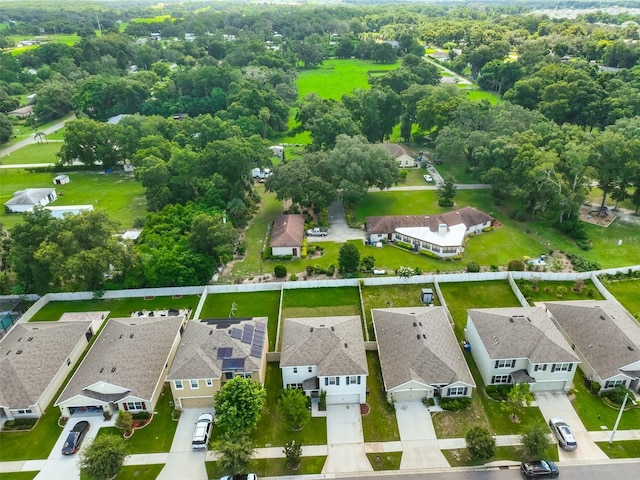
(331, 269)
(429, 253)
(453, 404)
(141, 416)
(241, 248)
(445, 202)
(309, 270)
(280, 271)
(516, 266)
(573, 228)
(293, 277)
(456, 257)
(318, 269)
(488, 229)
(405, 245)
(617, 394)
(584, 244)
(19, 424)
(498, 392)
(473, 267)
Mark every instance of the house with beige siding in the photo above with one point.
(287, 235)
(212, 352)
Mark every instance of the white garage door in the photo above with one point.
(341, 399)
(197, 402)
(409, 395)
(548, 386)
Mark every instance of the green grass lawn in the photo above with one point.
(133, 472)
(319, 302)
(628, 294)
(391, 296)
(480, 95)
(337, 77)
(594, 413)
(22, 131)
(118, 193)
(273, 467)
(625, 449)
(118, 308)
(380, 424)
(19, 475)
(253, 304)
(460, 457)
(547, 291)
(34, 153)
(456, 169)
(385, 461)
(272, 430)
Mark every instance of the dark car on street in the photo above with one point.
(539, 469)
(76, 435)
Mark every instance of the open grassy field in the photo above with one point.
(118, 308)
(319, 302)
(254, 304)
(71, 39)
(628, 294)
(34, 153)
(480, 95)
(337, 77)
(118, 193)
(156, 19)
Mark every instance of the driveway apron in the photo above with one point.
(559, 405)
(183, 461)
(345, 441)
(339, 231)
(418, 437)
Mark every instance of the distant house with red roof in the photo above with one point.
(287, 235)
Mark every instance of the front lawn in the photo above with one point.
(549, 291)
(34, 153)
(624, 449)
(320, 302)
(133, 472)
(118, 307)
(594, 413)
(627, 292)
(252, 304)
(380, 425)
(273, 467)
(385, 460)
(460, 457)
(272, 430)
(19, 475)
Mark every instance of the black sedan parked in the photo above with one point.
(539, 469)
(77, 433)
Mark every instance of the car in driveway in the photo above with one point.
(563, 433)
(241, 476)
(427, 178)
(539, 469)
(202, 432)
(75, 437)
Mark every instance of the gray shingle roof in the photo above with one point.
(24, 377)
(602, 331)
(469, 216)
(29, 196)
(130, 353)
(434, 358)
(521, 332)
(321, 341)
(288, 231)
(197, 355)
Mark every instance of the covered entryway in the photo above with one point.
(196, 402)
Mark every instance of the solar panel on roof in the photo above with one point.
(224, 352)
(236, 333)
(247, 335)
(259, 335)
(258, 341)
(256, 351)
(233, 364)
(261, 327)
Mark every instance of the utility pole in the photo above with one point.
(615, 427)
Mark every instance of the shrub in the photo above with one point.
(19, 424)
(309, 270)
(331, 269)
(318, 269)
(280, 271)
(293, 277)
(584, 244)
(494, 268)
(456, 257)
(594, 388)
(480, 443)
(141, 416)
(429, 253)
(322, 401)
(488, 229)
(445, 202)
(241, 248)
(404, 245)
(581, 264)
(617, 394)
(473, 267)
(516, 266)
(287, 257)
(454, 404)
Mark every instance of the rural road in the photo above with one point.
(31, 139)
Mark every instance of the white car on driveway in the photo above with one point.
(203, 431)
(428, 178)
(563, 433)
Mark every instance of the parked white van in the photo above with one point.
(203, 431)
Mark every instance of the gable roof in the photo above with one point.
(334, 344)
(130, 353)
(602, 331)
(43, 348)
(521, 332)
(288, 231)
(468, 216)
(418, 343)
(29, 196)
(200, 353)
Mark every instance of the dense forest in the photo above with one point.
(204, 88)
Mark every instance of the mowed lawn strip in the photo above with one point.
(34, 153)
(252, 304)
(133, 472)
(19, 475)
(460, 457)
(273, 467)
(321, 297)
(627, 292)
(625, 449)
(385, 460)
(380, 424)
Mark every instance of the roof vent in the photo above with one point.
(415, 324)
(20, 339)
(102, 370)
(630, 347)
(322, 325)
(602, 317)
(29, 339)
(333, 329)
(18, 352)
(120, 336)
(346, 345)
(9, 351)
(113, 369)
(210, 332)
(420, 323)
(512, 320)
(418, 336)
(311, 329)
(131, 335)
(424, 336)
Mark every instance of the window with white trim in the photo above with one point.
(501, 379)
(457, 391)
(295, 369)
(294, 386)
(542, 366)
(209, 382)
(332, 381)
(310, 369)
(561, 367)
(134, 406)
(505, 363)
(194, 384)
(353, 380)
(613, 383)
(23, 411)
(178, 384)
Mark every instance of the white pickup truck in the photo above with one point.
(317, 232)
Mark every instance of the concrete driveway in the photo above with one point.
(339, 231)
(418, 437)
(65, 467)
(345, 449)
(183, 461)
(559, 405)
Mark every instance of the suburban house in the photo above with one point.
(442, 235)
(126, 366)
(606, 338)
(520, 345)
(325, 354)
(212, 352)
(22, 112)
(287, 235)
(405, 161)
(26, 200)
(35, 359)
(59, 211)
(419, 354)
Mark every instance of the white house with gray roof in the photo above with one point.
(520, 345)
(419, 354)
(325, 354)
(125, 367)
(606, 338)
(212, 352)
(35, 359)
(29, 198)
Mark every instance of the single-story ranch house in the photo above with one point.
(419, 354)
(125, 367)
(35, 359)
(520, 345)
(211, 353)
(26, 200)
(442, 234)
(287, 235)
(606, 338)
(325, 354)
